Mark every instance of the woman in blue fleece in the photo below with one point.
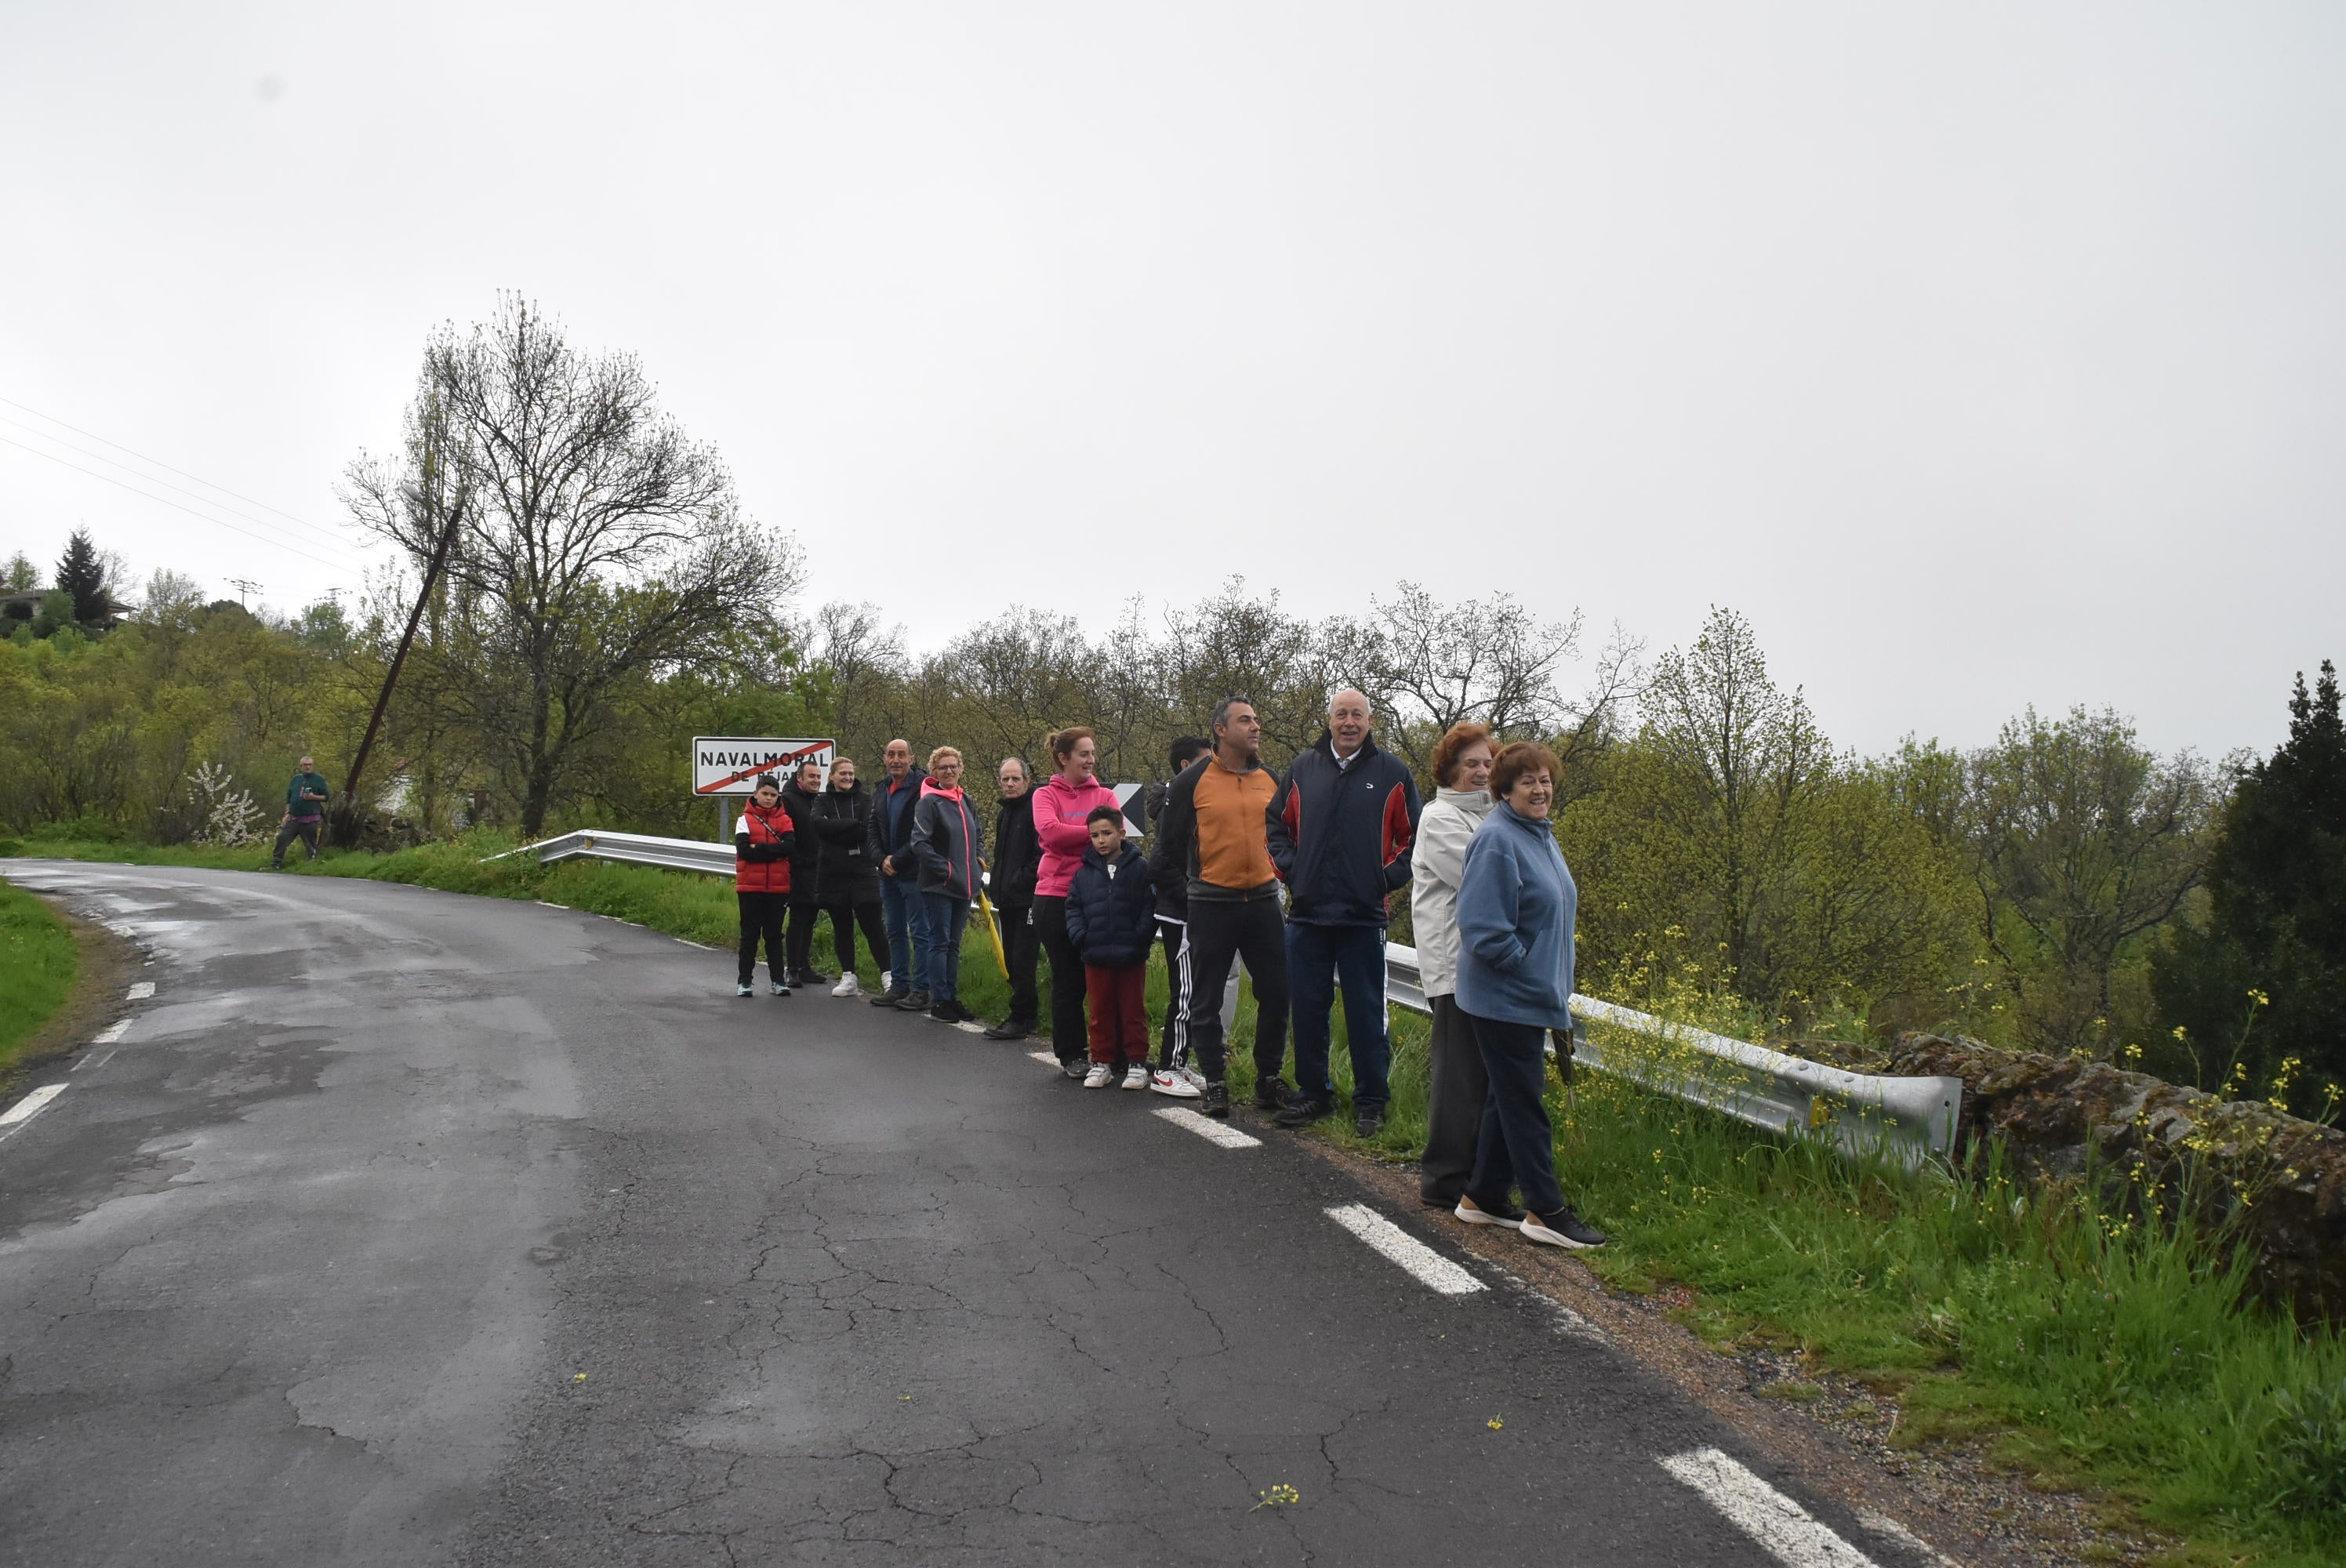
(1517, 901)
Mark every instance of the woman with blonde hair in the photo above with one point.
(948, 840)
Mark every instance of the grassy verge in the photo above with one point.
(2078, 1345)
(38, 962)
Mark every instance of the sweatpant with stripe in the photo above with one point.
(1180, 983)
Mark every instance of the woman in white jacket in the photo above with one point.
(1453, 1109)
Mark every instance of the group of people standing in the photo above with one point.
(1291, 876)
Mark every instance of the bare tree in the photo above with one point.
(1429, 665)
(600, 542)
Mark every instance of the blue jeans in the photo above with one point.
(1320, 958)
(908, 933)
(1515, 1146)
(948, 914)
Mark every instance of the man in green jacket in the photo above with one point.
(305, 810)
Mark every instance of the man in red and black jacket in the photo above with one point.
(762, 841)
(1339, 832)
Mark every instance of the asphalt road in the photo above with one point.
(404, 1227)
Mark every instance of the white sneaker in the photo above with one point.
(1100, 1076)
(1136, 1076)
(887, 980)
(1177, 1084)
(847, 986)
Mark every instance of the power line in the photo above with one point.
(142, 457)
(273, 543)
(327, 542)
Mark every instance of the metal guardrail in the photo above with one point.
(1909, 1120)
(635, 849)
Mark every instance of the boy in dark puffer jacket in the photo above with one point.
(1112, 919)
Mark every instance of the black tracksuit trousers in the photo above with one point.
(1456, 1087)
(762, 916)
(1222, 931)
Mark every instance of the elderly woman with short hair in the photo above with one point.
(948, 840)
(1457, 1084)
(1516, 903)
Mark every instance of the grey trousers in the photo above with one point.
(1456, 1087)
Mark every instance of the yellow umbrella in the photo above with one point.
(993, 929)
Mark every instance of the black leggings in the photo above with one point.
(799, 943)
(762, 916)
(844, 919)
(1067, 1030)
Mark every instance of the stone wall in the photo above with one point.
(2280, 1179)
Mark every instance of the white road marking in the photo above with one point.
(26, 1109)
(1789, 1532)
(1568, 1322)
(1430, 1266)
(543, 905)
(1045, 1057)
(971, 1028)
(97, 1061)
(142, 990)
(1882, 1524)
(111, 1033)
(1205, 1128)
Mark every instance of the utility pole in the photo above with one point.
(243, 587)
(425, 498)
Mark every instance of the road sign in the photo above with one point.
(1127, 801)
(729, 764)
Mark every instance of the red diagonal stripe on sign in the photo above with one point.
(783, 760)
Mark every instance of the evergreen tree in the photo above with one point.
(2270, 959)
(82, 572)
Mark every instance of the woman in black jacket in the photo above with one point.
(800, 792)
(848, 884)
(1010, 887)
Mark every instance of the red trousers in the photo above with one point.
(1118, 1001)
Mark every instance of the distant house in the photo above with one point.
(23, 604)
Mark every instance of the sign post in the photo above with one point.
(729, 765)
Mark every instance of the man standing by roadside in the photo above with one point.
(1010, 887)
(799, 796)
(1210, 848)
(889, 847)
(1341, 831)
(305, 808)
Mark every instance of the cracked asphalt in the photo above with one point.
(407, 1227)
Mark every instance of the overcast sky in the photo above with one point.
(1982, 355)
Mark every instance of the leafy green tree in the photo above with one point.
(86, 575)
(2276, 912)
(2082, 841)
(55, 614)
(20, 576)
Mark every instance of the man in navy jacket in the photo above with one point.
(1339, 832)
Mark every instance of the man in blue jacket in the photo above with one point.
(1341, 828)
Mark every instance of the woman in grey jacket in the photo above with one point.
(1517, 901)
(949, 842)
(1457, 1085)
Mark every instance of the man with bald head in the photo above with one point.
(1341, 828)
(889, 843)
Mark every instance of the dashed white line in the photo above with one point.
(1789, 1533)
(1045, 1057)
(111, 1033)
(26, 1109)
(971, 1028)
(1430, 1266)
(97, 1061)
(1205, 1128)
(1882, 1524)
(142, 990)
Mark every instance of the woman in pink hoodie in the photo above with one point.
(1060, 807)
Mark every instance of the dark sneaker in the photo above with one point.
(810, 979)
(888, 999)
(1369, 1122)
(918, 1001)
(1473, 1213)
(1562, 1228)
(1075, 1067)
(943, 1014)
(961, 1014)
(1301, 1112)
(1010, 1029)
(1214, 1101)
(1272, 1094)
